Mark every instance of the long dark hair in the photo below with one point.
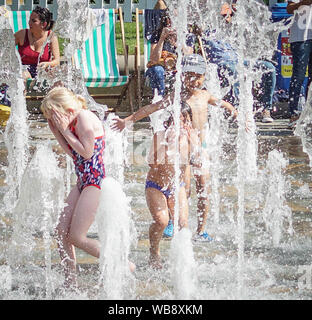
(45, 15)
(165, 21)
(185, 110)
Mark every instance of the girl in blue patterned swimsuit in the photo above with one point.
(160, 181)
(80, 133)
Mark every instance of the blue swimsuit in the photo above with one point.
(166, 192)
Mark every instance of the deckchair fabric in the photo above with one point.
(19, 20)
(97, 58)
(147, 52)
(147, 44)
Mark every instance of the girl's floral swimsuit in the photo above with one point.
(90, 172)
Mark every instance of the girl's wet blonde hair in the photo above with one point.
(61, 99)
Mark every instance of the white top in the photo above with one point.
(301, 29)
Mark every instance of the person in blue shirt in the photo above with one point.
(300, 39)
(225, 57)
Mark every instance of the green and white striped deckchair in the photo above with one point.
(146, 54)
(98, 57)
(147, 45)
(19, 20)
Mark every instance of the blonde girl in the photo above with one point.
(80, 133)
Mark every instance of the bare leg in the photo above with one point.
(202, 190)
(187, 180)
(183, 208)
(83, 217)
(73, 227)
(65, 248)
(157, 204)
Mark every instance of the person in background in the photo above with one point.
(162, 62)
(4, 98)
(38, 46)
(225, 57)
(300, 39)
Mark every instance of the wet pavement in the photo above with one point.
(270, 272)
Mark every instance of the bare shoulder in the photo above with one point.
(19, 36)
(87, 120)
(204, 94)
(53, 36)
(87, 115)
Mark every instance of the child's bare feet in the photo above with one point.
(155, 262)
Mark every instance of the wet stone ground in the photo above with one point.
(270, 271)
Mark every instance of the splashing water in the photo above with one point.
(183, 265)
(113, 220)
(183, 281)
(35, 215)
(275, 210)
(304, 126)
(216, 135)
(16, 131)
(32, 223)
(245, 42)
(115, 227)
(82, 21)
(115, 149)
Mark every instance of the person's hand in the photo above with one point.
(44, 65)
(61, 121)
(168, 33)
(51, 125)
(118, 124)
(248, 122)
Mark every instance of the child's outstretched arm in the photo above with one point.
(229, 108)
(224, 104)
(120, 124)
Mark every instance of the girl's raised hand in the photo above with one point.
(51, 125)
(60, 120)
